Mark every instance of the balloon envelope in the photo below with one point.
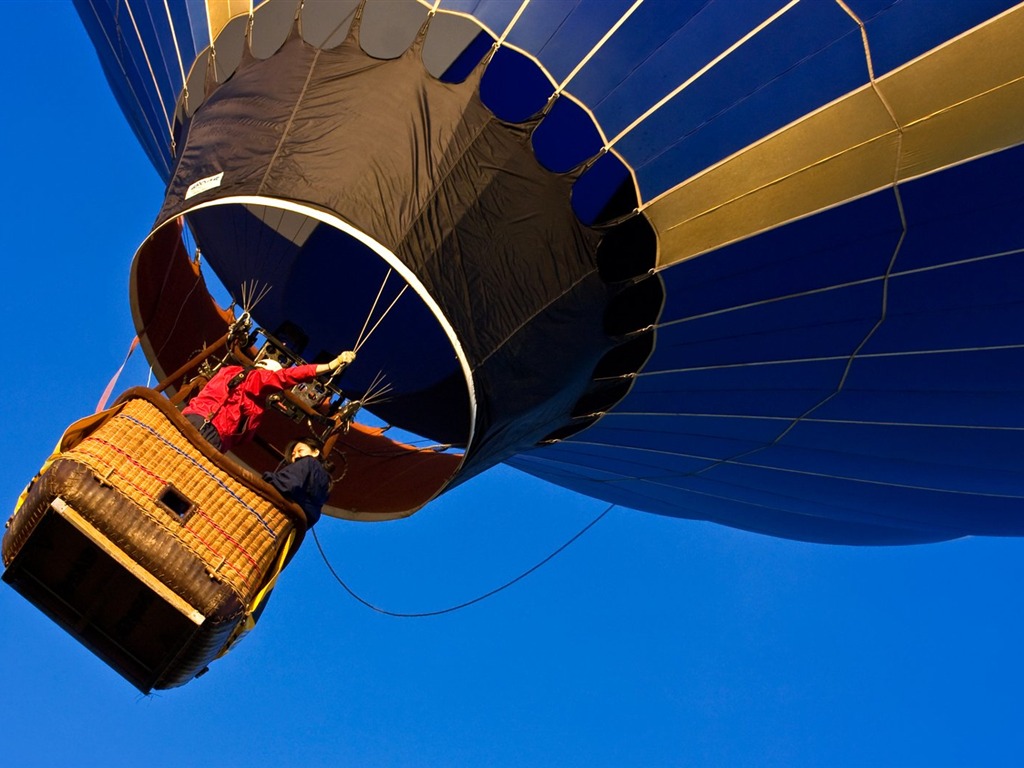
(829, 205)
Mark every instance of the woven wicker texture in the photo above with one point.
(231, 528)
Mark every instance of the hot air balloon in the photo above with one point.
(755, 263)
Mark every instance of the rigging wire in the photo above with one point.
(467, 603)
(381, 320)
(377, 391)
(373, 308)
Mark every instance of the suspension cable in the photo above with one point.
(373, 308)
(381, 320)
(468, 603)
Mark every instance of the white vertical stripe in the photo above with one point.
(607, 35)
(511, 24)
(149, 64)
(700, 73)
(177, 49)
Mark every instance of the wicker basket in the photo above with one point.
(148, 545)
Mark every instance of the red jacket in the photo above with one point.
(236, 412)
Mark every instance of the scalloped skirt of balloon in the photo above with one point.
(380, 208)
(149, 547)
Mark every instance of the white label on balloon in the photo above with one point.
(210, 182)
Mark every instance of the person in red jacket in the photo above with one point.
(228, 410)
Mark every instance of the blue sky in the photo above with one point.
(649, 642)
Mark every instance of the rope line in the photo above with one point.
(619, 475)
(833, 358)
(387, 311)
(512, 23)
(701, 72)
(466, 604)
(373, 308)
(154, 141)
(152, 73)
(811, 420)
(882, 314)
(600, 44)
(177, 50)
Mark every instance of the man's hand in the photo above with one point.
(342, 360)
(336, 364)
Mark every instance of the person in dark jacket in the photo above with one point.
(302, 478)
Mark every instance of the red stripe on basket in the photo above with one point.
(226, 562)
(102, 460)
(130, 459)
(229, 537)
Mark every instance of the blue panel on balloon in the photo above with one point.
(158, 41)
(496, 14)
(900, 454)
(624, 461)
(923, 509)
(886, 454)
(190, 26)
(661, 46)
(562, 32)
(835, 520)
(995, 410)
(131, 85)
(198, 23)
(767, 490)
(967, 306)
(513, 87)
(819, 325)
(968, 211)
(756, 431)
(853, 242)
(692, 451)
(775, 390)
(566, 138)
(969, 389)
(807, 58)
(909, 28)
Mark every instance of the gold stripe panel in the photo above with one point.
(959, 101)
(220, 12)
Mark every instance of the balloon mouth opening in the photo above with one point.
(320, 286)
(327, 287)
